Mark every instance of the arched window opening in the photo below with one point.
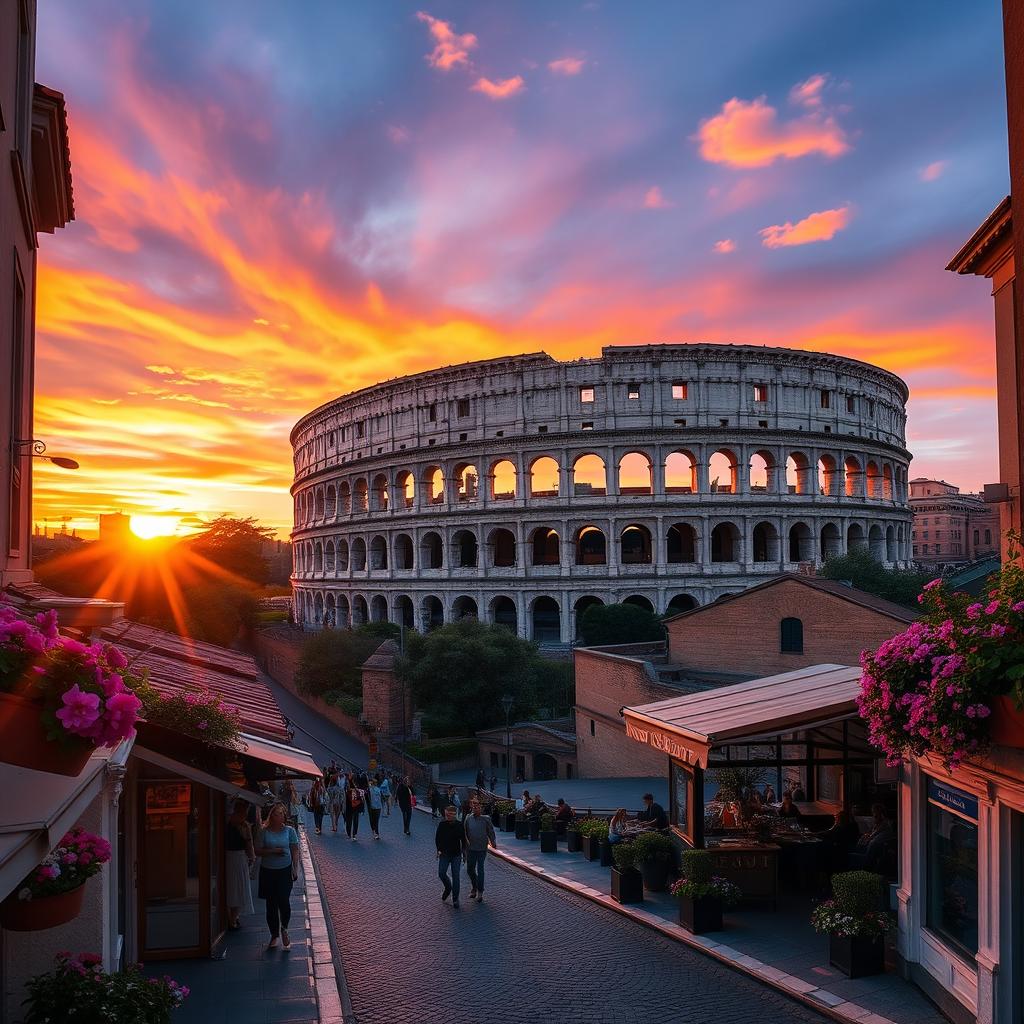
(503, 613)
(766, 543)
(403, 552)
(343, 559)
(381, 498)
(503, 548)
(891, 552)
(796, 473)
(681, 603)
(680, 473)
(345, 499)
(725, 543)
(378, 553)
(405, 612)
(831, 541)
(319, 504)
(432, 612)
(433, 486)
(827, 476)
(379, 609)
(503, 481)
(342, 615)
(318, 608)
(360, 612)
(431, 552)
(464, 608)
(639, 601)
(405, 484)
(852, 477)
(318, 558)
(544, 478)
(467, 482)
(876, 543)
(330, 557)
(855, 540)
(636, 545)
(874, 481)
(331, 503)
(761, 471)
(359, 554)
(591, 548)
(887, 482)
(682, 543)
(545, 546)
(722, 473)
(791, 636)
(464, 549)
(361, 497)
(800, 548)
(588, 475)
(547, 621)
(580, 609)
(635, 475)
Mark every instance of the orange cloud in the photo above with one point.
(816, 227)
(933, 171)
(808, 93)
(500, 90)
(450, 47)
(724, 245)
(655, 200)
(566, 66)
(748, 133)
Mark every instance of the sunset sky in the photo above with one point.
(278, 203)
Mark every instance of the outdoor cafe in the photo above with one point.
(775, 778)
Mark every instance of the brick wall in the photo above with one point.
(604, 683)
(382, 702)
(742, 635)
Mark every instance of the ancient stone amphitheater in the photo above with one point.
(522, 490)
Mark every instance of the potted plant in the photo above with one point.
(701, 894)
(59, 699)
(953, 683)
(534, 821)
(522, 826)
(503, 810)
(573, 837)
(594, 831)
(737, 783)
(52, 894)
(194, 712)
(548, 835)
(79, 985)
(855, 923)
(653, 856)
(627, 882)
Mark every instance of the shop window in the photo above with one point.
(791, 636)
(951, 865)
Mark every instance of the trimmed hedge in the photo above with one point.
(442, 750)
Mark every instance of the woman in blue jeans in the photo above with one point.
(280, 868)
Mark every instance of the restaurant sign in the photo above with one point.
(955, 800)
(666, 742)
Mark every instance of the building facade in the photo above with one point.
(950, 526)
(522, 490)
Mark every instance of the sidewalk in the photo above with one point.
(778, 948)
(603, 794)
(250, 984)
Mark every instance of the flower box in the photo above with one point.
(41, 913)
(24, 740)
(700, 915)
(548, 841)
(592, 847)
(573, 840)
(857, 956)
(627, 886)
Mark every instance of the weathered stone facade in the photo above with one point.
(522, 490)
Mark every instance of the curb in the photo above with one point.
(332, 996)
(804, 992)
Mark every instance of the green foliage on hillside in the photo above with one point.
(867, 573)
(604, 624)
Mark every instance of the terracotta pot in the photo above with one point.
(1007, 728)
(23, 740)
(43, 912)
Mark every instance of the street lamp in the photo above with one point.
(506, 702)
(38, 449)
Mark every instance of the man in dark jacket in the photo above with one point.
(653, 815)
(403, 797)
(450, 840)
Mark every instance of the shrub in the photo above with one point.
(332, 660)
(193, 712)
(504, 806)
(439, 751)
(855, 909)
(345, 702)
(652, 846)
(696, 865)
(714, 886)
(606, 624)
(547, 823)
(624, 856)
(592, 827)
(858, 892)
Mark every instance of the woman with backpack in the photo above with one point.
(335, 799)
(355, 801)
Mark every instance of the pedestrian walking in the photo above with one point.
(453, 799)
(450, 840)
(494, 783)
(239, 857)
(385, 795)
(317, 801)
(354, 802)
(335, 799)
(479, 835)
(278, 872)
(290, 799)
(481, 782)
(374, 804)
(404, 798)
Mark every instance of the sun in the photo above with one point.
(148, 527)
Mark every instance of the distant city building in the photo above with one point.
(47, 543)
(950, 526)
(278, 555)
(115, 527)
(522, 490)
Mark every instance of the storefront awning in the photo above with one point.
(688, 727)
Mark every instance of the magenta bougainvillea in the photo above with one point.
(933, 687)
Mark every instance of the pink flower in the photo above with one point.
(992, 608)
(80, 711)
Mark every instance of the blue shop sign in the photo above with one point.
(955, 800)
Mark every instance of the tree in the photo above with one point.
(604, 624)
(235, 545)
(332, 660)
(867, 573)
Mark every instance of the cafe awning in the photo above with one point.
(687, 727)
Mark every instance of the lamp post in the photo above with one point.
(38, 450)
(506, 702)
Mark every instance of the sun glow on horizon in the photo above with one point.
(148, 527)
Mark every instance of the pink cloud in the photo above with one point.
(808, 93)
(724, 245)
(450, 47)
(566, 66)
(933, 171)
(748, 133)
(397, 133)
(816, 227)
(500, 90)
(655, 200)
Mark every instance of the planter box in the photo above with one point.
(560, 827)
(41, 913)
(510, 823)
(522, 828)
(534, 829)
(592, 847)
(702, 915)
(627, 886)
(24, 743)
(857, 957)
(549, 842)
(573, 840)
(607, 860)
(655, 874)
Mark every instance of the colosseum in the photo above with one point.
(521, 490)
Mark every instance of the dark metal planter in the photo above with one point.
(573, 840)
(592, 847)
(607, 860)
(510, 823)
(627, 886)
(560, 827)
(549, 842)
(655, 874)
(857, 957)
(522, 829)
(700, 915)
(534, 829)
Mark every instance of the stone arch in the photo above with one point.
(544, 546)
(342, 612)
(725, 543)
(378, 553)
(680, 472)
(891, 551)
(318, 608)
(318, 557)
(635, 545)
(504, 480)
(503, 612)
(464, 607)
(331, 502)
(591, 546)
(876, 542)
(874, 480)
(639, 601)
(464, 553)
(681, 603)
(765, 542)
(801, 543)
(404, 558)
(467, 482)
(589, 475)
(405, 489)
(580, 609)
(681, 544)
(405, 611)
(431, 551)
(722, 472)
(431, 612)
(544, 478)
(827, 473)
(381, 493)
(852, 477)
(319, 499)
(502, 545)
(330, 557)
(797, 473)
(379, 608)
(831, 541)
(433, 485)
(887, 486)
(636, 474)
(343, 556)
(344, 498)
(762, 472)
(546, 620)
(360, 497)
(855, 539)
(360, 611)
(358, 554)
